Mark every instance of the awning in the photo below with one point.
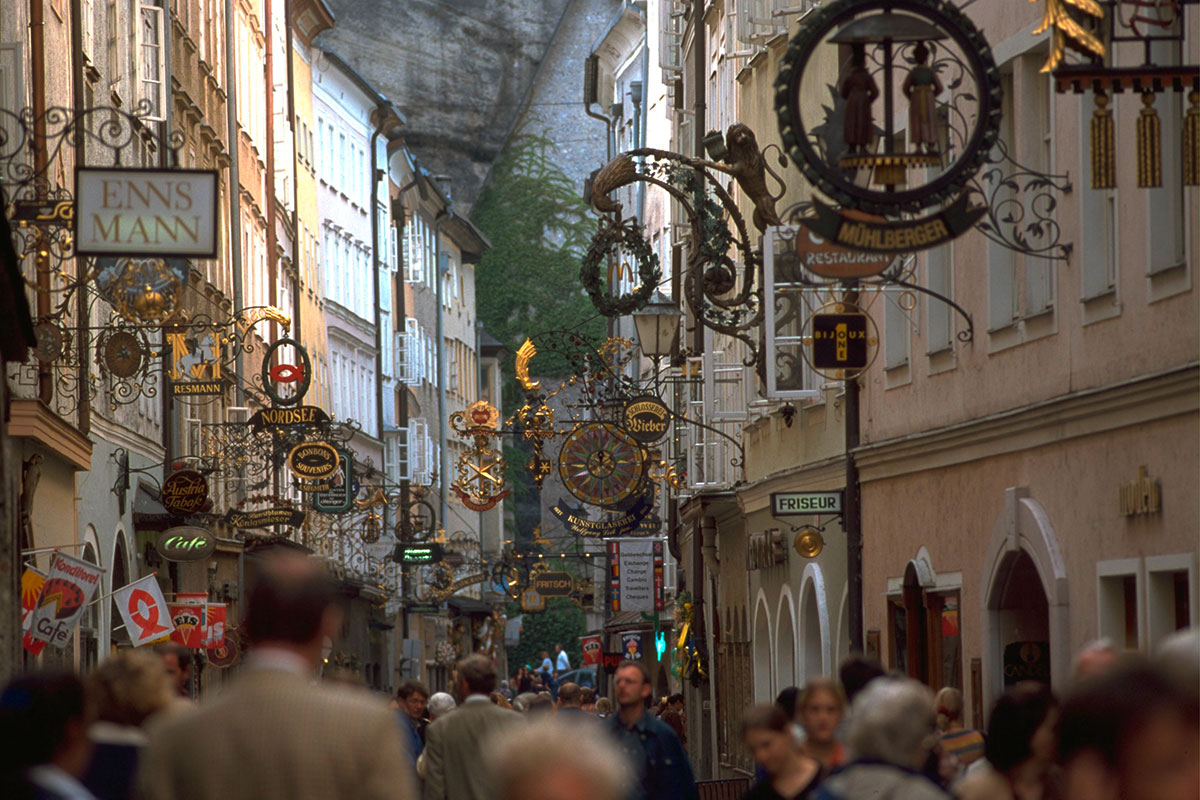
(468, 605)
(633, 620)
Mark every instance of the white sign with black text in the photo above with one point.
(146, 212)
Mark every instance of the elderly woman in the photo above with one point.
(553, 760)
(126, 690)
(440, 704)
(892, 730)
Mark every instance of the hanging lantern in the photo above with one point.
(1149, 144)
(1191, 141)
(1104, 156)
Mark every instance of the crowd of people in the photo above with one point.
(1125, 729)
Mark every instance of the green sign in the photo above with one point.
(418, 553)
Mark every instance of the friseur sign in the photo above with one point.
(146, 212)
(784, 504)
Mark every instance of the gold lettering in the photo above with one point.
(113, 233)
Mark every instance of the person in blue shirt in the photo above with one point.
(412, 697)
(660, 764)
(562, 662)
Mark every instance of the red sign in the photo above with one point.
(591, 650)
(612, 660)
(189, 626)
(822, 257)
(214, 628)
(68, 589)
(144, 611)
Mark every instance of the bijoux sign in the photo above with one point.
(185, 543)
(146, 212)
(184, 492)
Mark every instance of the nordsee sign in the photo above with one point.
(798, 503)
(146, 212)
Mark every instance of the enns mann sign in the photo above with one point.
(146, 212)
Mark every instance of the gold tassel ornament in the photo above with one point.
(1191, 141)
(1149, 144)
(1104, 155)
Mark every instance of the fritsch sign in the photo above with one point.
(146, 212)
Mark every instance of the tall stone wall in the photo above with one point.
(459, 71)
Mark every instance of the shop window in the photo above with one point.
(1169, 595)
(925, 640)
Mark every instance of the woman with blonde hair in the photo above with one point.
(964, 744)
(819, 709)
(125, 691)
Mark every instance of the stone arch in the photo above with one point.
(841, 644)
(785, 641)
(93, 625)
(761, 646)
(120, 573)
(1023, 538)
(814, 622)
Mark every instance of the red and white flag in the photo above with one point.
(214, 615)
(32, 580)
(144, 610)
(69, 587)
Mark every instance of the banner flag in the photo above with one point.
(214, 629)
(144, 610)
(69, 587)
(31, 587)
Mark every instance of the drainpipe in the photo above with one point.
(443, 473)
(37, 69)
(235, 186)
(269, 163)
(291, 113)
(381, 111)
(81, 301)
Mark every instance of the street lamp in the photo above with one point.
(657, 325)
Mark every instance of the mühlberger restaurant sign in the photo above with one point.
(146, 212)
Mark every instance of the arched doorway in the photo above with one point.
(1025, 608)
(785, 645)
(89, 623)
(120, 577)
(811, 632)
(762, 653)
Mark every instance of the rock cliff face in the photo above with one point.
(459, 71)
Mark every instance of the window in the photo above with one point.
(938, 319)
(925, 640)
(897, 335)
(788, 375)
(1002, 262)
(1117, 598)
(1170, 595)
(112, 45)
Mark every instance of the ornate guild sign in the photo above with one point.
(601, 465)
(194, 361)
(480, 470)
(295, 417)
(184, 492)
(313, 461)
(185, 543)
(646, 418)
(919, 63)
(286, 372)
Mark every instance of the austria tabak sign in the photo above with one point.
(184, 492)
(146, 212)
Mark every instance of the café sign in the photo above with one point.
(146, 212)
(185, 543)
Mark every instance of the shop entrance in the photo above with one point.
(1022, 620)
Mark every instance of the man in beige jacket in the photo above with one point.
(455, 743)
(276, 733)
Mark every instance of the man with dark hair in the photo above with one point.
(660, 764)
(1130, 733)
(413, 697)
(177, 661)
(44, 746)
(856, 672)
(454, 743)
(276, 732)
(570, 698)
(673, 716)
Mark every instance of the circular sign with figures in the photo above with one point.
(601, 465)
(913, 112)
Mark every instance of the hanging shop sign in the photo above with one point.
(532, 600)
(339, 498)
(58, 213)
(626, 524)
(144, 611)
(849, 151)
(146, 212)
(635, 575)
(765, 549)
(265, 517)
(794, 504)
(418, 553)
(194, 365)
(631, 645)
(612, 660)
(553, 584)
(214, 625)
(228, 652)
(840, 341)
(313, 461)
(185, 543)
(646, 418)
(592, 647)
(463, 583)
(286, 382)
(122, 354)
(849, 230)
(601, 464)
(819, 255)
(184, 492)
(189, 625)
(808, 542)
(69, 587)
(296, 417)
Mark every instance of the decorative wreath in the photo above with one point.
(632, 242)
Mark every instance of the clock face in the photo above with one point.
(601, 465)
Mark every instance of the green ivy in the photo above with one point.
(561, 623)
(539, 227)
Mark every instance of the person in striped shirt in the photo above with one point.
(964, 744)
